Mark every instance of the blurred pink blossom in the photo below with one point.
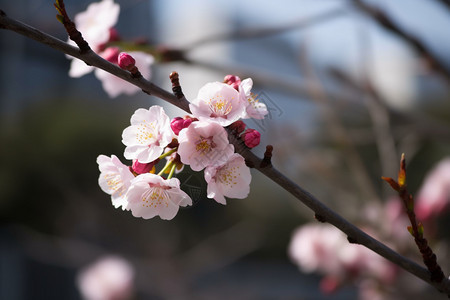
(324, 249)
(434, 195)
(109, 278)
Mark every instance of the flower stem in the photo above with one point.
(166, 167)
(172, 170)
(168, 153)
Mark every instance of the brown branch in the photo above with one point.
(309, 200)
(416, 229)
(387, 22)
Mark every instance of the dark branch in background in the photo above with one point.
(264, 32)
(387, 22)
(445, 3)
(309, 200)
(423, 125)
(416, 229)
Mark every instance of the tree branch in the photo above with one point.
(320, 209)
(384, 20)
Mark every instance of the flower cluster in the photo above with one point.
(97, 26)
(199, 140)
(322, 248)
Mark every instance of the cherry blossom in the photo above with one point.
(151, 195)
(322, 248)
(94, 24)
(254, 109)
(148, 134)
(434, 195)
(204, 144)
(231, 179)
(115, 178)
(115, 86)
(108, 278)
(218, 102)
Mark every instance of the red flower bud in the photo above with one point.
(140, 168)
(126, 61)
(232, 80)
(179, 123)
(251, 138)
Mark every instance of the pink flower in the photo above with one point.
(151, 195)
(251, 138)
(204, 144)
(115, 178)
(114, 86)
(231, 179)
(218, 102)
(109, 278)
(148, 134)
(94, 24)
(322, 248)
(254, 109)
(434, 195)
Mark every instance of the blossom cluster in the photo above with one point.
(97, 26)
(198, 140)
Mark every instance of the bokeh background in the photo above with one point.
(311, 62)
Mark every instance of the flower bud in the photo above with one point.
(179, 123)
(251, 138)
(126, 61)
(111, 54)
(238, 127)
(140, 168)
(232, 80)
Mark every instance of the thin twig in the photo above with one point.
(416, 229)
(377, 109)
(338, 131)
(264, 32)
(387, 22)
(309, 200)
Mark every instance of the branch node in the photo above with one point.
(267, 160)
(71, 28)
(320, 218)
(352, 240)
(176, 87)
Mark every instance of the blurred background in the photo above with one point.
(346, 96)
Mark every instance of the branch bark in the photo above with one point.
(355, 234)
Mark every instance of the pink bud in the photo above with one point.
(232, 80)
(111, 54)
(126, 61)
(141, 168)
(251, 138)
(179, 123)
(238, 127)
